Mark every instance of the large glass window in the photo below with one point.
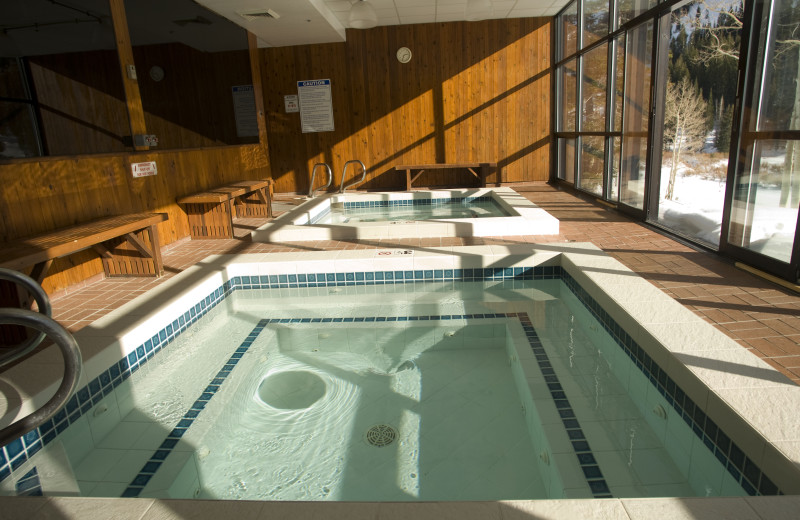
(566, 159)
(592, 164)
(618, 75)
(698, 96)
(766, 194)
(627, 10)
(569, 30)
(593, 89)
(636, 121)
(765, 201)
(568, 78)
(661, 119)
(595, 20)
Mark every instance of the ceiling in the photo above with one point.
(37, 27)
(324, 21)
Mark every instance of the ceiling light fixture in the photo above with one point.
(478, 10)
(363, 15)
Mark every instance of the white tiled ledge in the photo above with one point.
(65, 508)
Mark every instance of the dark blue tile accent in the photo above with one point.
(168, 444)
(132, 492)
(14, 448)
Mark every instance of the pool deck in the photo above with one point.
(759, 315)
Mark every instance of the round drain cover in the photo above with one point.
(381, 435)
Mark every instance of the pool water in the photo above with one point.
(448, 209)
(488, 391)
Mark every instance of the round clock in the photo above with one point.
(403, 54)
(156, 73)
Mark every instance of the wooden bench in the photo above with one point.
(116, 239)
(211, 212)
(483, 170)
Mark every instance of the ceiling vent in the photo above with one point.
(259, 14)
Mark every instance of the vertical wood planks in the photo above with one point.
(473, 92)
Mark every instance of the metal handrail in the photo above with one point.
(47, 326)
(311, 189)
(45, 308)
(344, 173)
(72, 370)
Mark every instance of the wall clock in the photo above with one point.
(403, 54)
(156, 73)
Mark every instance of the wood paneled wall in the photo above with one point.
(473, 91)
(45, 194)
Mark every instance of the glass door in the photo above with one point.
(765, 195)
(696, 92)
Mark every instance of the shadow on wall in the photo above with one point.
(473, 92)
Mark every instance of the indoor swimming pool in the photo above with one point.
(435, 213)
(471, 374)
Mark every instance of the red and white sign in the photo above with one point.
(144, 169)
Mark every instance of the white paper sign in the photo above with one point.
(291, 103)
(144, 169)
(244, 109)
(316, 105)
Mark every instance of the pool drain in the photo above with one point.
(381, 435)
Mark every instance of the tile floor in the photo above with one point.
(759, 315)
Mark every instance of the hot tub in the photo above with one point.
(515, 216)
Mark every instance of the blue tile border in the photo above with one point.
(746, 472)
(29, 485)
(742, 468)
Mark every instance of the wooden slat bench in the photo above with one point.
(211, 212)
(116, 239)
(483, 170)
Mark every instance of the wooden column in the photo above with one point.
(125, 53)
(255, 72)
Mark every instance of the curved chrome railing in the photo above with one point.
(311, 190)
(42, 322)
(354, 182)
(45, 309)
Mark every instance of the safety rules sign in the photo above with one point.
(316, 107)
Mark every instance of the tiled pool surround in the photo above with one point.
(582, 266)
(300, 224)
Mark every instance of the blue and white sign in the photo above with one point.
(316, 105)
(244, 109)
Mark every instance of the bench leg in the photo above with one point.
(158, 263)
(210, 220)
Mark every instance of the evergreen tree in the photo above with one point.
(723, 138)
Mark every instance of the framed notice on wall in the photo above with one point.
(316, 105)
(244, 109)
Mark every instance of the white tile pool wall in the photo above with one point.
(526, 375)
(525, 219)
(663, 326)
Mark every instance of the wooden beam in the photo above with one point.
(136, 242)
(40, 270)
(102, 251)
(133, 97)
(255, 72)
